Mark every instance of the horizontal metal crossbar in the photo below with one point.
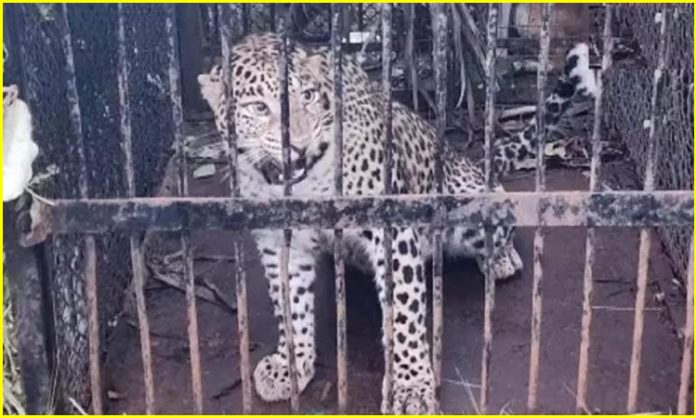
(568, 208)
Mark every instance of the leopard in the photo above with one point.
(256, 122)
(519, 151)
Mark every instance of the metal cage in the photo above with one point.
(85, 222)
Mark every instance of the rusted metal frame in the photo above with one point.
(595, 169)
(387, 305)
(90, 267)
(540, 186)
(688, 343)
(287, 190)
(439, 19)
(339, 262)
(136, 248)
(230, 138)
(644, 246)
(489, 132)
(566, 208)
(409, 51)
(183, 190)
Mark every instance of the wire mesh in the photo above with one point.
(628, 107)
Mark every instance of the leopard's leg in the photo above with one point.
(271, 377)
(413, 385)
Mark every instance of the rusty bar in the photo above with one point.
(489, 131)
(644, 246)
(92, 302)
(387, 305)
(489, 128)
(688, 351)
(230, 138)
(211, 20)
(439, 19)
(568, 208)
(408, 54)
(136, 250)
(287, 190)
(90, 267)
(246, 24)
(339, 263)
(178, 121)
(540, 186)
(361, 24)
(595, 167)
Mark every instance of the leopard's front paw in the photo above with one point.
(417, 397)
(505, 265)
(272, 378)
(411, 397)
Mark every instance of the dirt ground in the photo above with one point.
(463, 311)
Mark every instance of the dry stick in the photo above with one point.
(183, 190)
(540, 186)
(588, 275)
(287, 233)
(459, 51)
(229, 137)
(339, 267)
(644, 247)
(489, 300)
(688, 351)
(90, 267)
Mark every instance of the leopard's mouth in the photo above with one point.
(273, 172)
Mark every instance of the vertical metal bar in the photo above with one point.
(361, 23)
(136, 250)
(410, 48)
(595, 167)
(246, 25)
(287, 233)
(90, 268)
(489, 300)
(339, 264)
(387, 307)
(439, 19)
(272, 12)
(540, 186)
(644, 247)
(688, 351)
(183, 190)
(230, 139)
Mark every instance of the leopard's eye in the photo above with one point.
(309, 95)
(259, 108)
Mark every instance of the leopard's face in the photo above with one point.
(256, 92)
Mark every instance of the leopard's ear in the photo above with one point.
(314, 63)
(203, 79)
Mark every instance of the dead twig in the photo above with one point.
(228, 389)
